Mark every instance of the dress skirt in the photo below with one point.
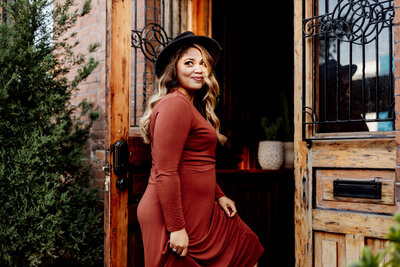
(214, 238)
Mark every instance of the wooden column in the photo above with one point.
(116, 201)
(200, 17)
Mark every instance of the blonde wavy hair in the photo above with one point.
(204, 100)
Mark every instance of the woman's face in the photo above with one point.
(191, 69)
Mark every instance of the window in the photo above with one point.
(153, 27)
(348, 48)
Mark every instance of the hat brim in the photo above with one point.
(212, 47)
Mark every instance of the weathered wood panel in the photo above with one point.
(377, 245)
(370, 225)
(354, 246)
(329, 253)
(368, 153)
(330, 250)
(303, 181)
(338, 250)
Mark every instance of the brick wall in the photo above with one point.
(90, 29)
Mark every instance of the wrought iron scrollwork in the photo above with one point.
(358, 22)
(311, 113)
(151, 40)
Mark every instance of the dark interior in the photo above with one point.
(255, 74)
(255, 70)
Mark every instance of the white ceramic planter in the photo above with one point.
(270, 154)
(288, 151)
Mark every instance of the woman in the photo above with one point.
(185, 218)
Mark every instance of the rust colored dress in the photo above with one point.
(182, 193)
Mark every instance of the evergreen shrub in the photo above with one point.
(49, 212)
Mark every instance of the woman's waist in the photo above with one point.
(187, 164)
(195, 167)
(184, 168)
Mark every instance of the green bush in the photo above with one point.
(48, 210)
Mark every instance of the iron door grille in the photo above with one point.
(154, 25)
(350, 44)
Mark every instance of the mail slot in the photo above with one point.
(358, 189)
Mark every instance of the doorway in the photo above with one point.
(255, 73)
(256, 67)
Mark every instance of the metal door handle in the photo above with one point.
(121, 163)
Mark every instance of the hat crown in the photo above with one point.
(183, 35)
(186, 37)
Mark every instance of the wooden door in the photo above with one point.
(136, 36)
(344, 176)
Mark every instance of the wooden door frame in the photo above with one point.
(118, 52)
(302, 197)
(118, 83)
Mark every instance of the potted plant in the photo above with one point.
(270, 149)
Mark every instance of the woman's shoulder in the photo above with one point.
(174, 101)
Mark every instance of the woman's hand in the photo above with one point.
(228, 205)
(179, 241)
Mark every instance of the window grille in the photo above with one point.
(154, 25)
(348, 63)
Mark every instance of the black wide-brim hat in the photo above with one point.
(212, 47)
(332, 67)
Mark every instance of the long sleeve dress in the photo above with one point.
(182, 193)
